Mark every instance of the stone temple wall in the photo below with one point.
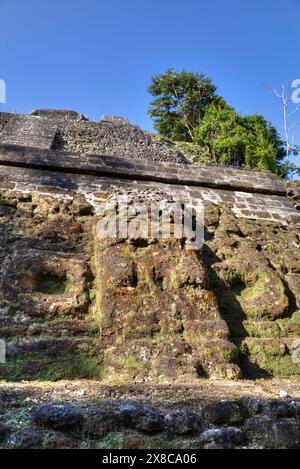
(74, 132)
(142, 310)
(293, 192)
(251, 194)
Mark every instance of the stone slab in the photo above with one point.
(32, 131)
(220, 177)
(245, 205)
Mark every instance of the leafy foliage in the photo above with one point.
(181, 99)
(187, 111)
(229, 138)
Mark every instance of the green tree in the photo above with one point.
(180, 101)
(264, 148)
(228, 138)
(187, 111)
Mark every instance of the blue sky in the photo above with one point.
(97, 56)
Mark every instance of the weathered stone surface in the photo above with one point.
(26, 439)
(57, 417)
(142, 418)
(184, 423)
(202, 176)
(29, 131)
(59, 116)
(253, 406)
(93, 188)
(295, 347)
(262, 293)
(46, 283)
(282, 409)
(49, 263)
(242, 283)
(284, 433)
(141, 310)
(101, 421)
(21, 347)
(73, 132)
(158, 310)
(223, 438)
(293, 191)
(90, 415)
(4, 431)
(228, 412)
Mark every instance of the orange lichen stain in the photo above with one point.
(209, 296)
(28, 282)
(149, 262)
(123, 292)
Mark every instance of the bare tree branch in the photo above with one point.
(283, 95)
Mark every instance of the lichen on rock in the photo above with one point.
(142, 310)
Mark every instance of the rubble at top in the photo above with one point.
(69, 131)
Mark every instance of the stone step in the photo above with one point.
(268, 357)
(170, 358)
(31, 131)
(45, 345)
(51, 359)
(281, 328)
(195, 330)
(273, 347)
(58, 328)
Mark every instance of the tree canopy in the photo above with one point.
(186, 110)
(226, 137)
(180, 101)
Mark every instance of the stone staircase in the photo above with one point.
(267, 347)
(50, 350)
(31, 131)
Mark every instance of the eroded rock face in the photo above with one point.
(144, 310)
(254, 272)
(162, 319)
(232, 306)
(293, 192)
(45, 288)
(159, 317)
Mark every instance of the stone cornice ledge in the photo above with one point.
(221, 177)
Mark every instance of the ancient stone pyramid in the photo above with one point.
(144, 310)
